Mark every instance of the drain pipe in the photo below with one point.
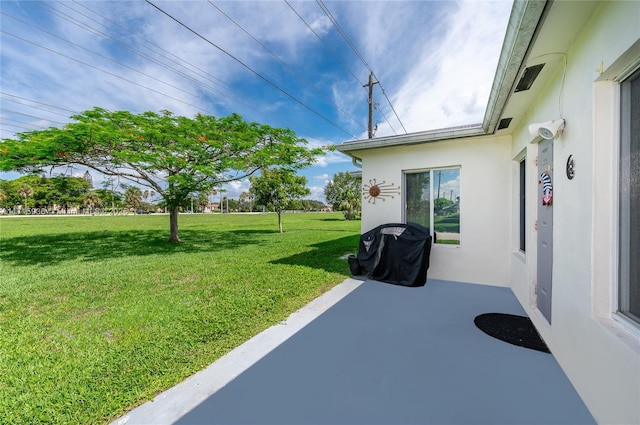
(356, 161)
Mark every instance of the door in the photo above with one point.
(545, 227)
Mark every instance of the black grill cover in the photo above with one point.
(396, 253)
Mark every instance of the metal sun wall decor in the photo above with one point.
(375, 190)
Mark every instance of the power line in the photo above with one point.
(266, 80)
(36, 107)
(359, 55)
(180, 61)
(7, 97)
(335, 23)
(22, 123)
(32, 116)
(375, 106)
(101, 55)
(329, 49)
(98, 69)
(293, 71)
(392, 108)
(96, 30)
(35, 101)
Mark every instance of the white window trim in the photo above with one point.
(605, 225)
(620, 317)
(431, 203)
(517, 160)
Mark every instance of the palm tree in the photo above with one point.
(3, 197)
(25, 191)
(91, 200)
(132, 196)
(242, 199)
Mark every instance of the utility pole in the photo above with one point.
(370, 85)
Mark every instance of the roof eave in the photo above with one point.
(413, 138)
(519, 36)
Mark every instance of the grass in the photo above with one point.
(99, 314)
(449, 224)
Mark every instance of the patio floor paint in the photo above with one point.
(386, 354)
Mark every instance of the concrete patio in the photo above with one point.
(373, 353)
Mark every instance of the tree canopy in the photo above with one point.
(276, 188)
(172, 155)
(61, 191)
(344, 192)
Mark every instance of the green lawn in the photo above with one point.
(99, 314)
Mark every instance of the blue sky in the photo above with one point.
(300, 65)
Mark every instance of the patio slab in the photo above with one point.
(386, 354)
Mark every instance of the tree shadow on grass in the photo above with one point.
(326, 255)
(89, 246)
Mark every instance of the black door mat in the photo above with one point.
(516, 330)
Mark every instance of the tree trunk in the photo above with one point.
(173, 224)
(280, 221)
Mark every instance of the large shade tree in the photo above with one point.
(172, 155)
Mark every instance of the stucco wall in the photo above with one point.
(600, 356)
(485, 181)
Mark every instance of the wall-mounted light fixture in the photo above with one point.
(547, 130)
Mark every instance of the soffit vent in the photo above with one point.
(528, 77)
(504, 123)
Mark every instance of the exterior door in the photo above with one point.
(545, 227)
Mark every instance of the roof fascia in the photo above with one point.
(519, 37)
(413, 138)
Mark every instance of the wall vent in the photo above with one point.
(504, 123)
(528, 77)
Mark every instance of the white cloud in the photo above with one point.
(235, 188)
(332, 158)
(450, 85)
(317, 193)
(435, 60)
(321, 25)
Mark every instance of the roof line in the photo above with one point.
(413, 138)
(519, 36)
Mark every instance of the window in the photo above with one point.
(523, 204)
(442, 216)
(629, 273)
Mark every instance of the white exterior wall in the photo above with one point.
(485, 202)
(600, 355)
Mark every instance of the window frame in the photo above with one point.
(431, 225)
(522, 198)
(624, 284)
